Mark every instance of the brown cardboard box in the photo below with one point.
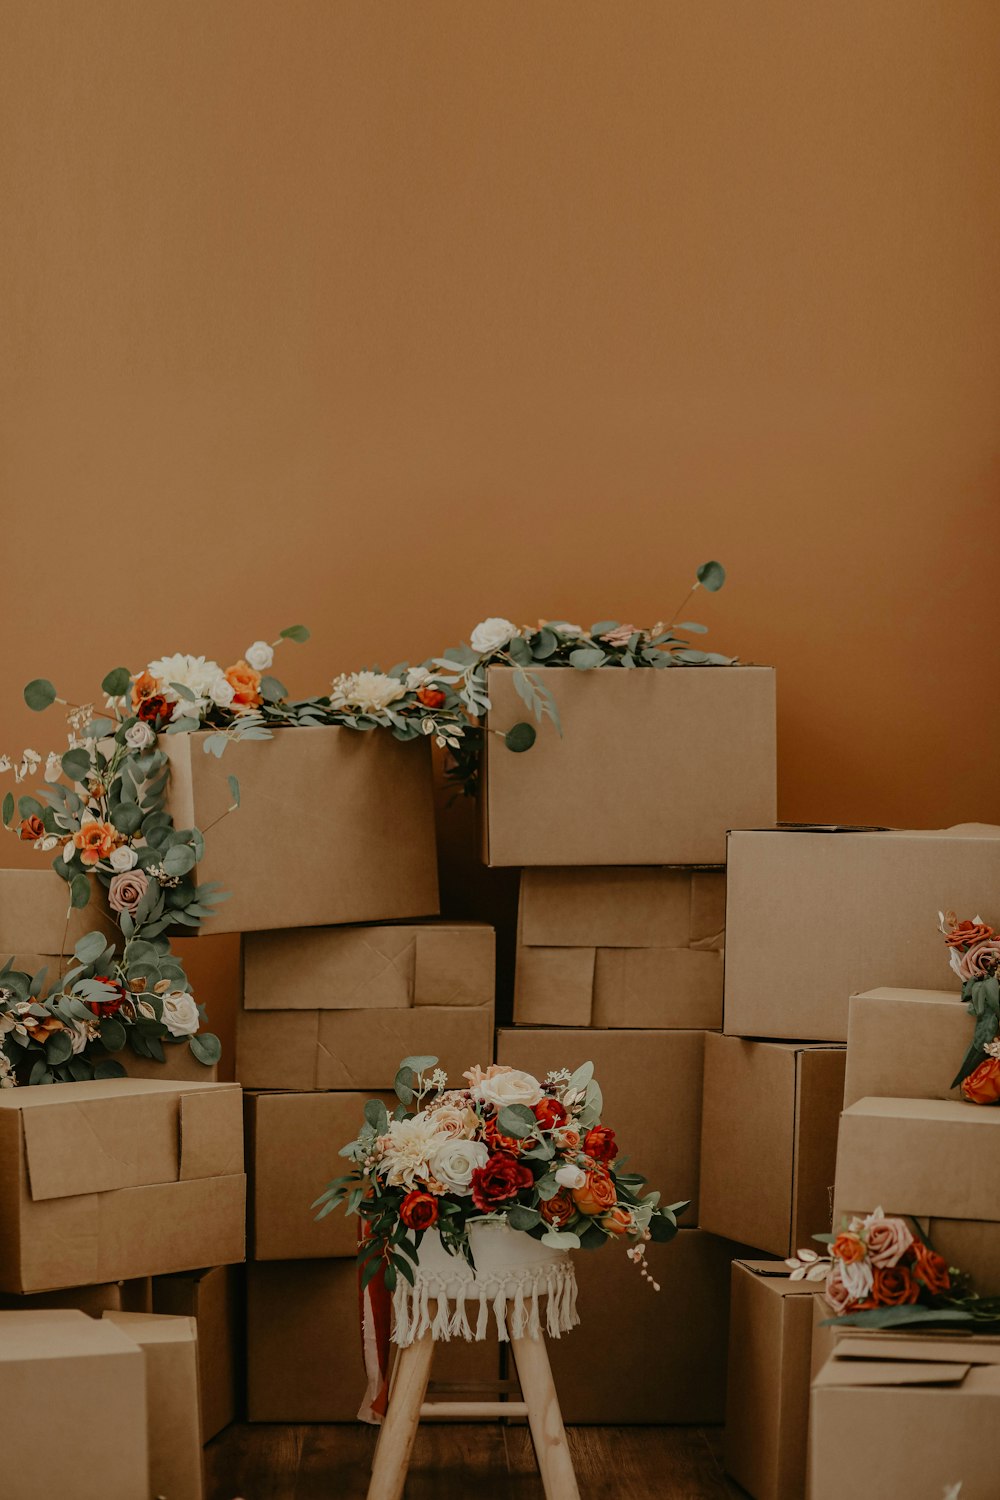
(392, 966)
(651, 1081)
(356, 1049)
(698, 742)
(905, 1044)
(118, 1179)
(304, 1360)
(170, 1349)
(814, 916)
(63, 1378)
(645, 1356)
(370, 853)
(767, 1391)
(913, 1416)
(620, 947)
(179, 1065)
(936, 1160)
(769, 1140)
(292, 1146)
(214, 1298)
(108, 1296)
(33, 918)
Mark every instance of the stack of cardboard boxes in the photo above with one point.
(620, 830)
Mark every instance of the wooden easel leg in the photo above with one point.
(545, 1419)
(395, 1444)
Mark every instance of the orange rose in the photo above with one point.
(931, 1269)
(31, 829)
(893, 1286)
(497, 1141)
(618, 1221)
(430, 697)
(983, 1084)
(848, 1247)
(245, 683)
(558, 1209)
(549, 1113)
(95, 842)
(418, 1210)
(597, 1195)
(964, 934)
(40, 1028)
(145, 686)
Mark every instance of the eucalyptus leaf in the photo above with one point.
(711, 576)
(90, 947)
(206, 1047)
(39, 693)
(520, 738)
(585, 658)
(79, 892)
(117, 682)
(297, 633)
(76, 764)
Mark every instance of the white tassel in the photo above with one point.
(499, 1312)
(401, 1308)
(534, 1323)
(483, 1321)
(442, 1318)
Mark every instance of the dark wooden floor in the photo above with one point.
(489, 1461)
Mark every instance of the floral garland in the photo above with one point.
(974, 955)
(503, 1147)
(881, 1273)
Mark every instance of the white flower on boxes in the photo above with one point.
(180, 1013)
(366, 692)
(491, 635)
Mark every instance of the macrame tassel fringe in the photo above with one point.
(515, 1296)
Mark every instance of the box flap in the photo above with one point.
(838, 1372)
(95, 1145)
(154, 1328)
(454, 965)
(211, 1133)
(942, 1348)
(620, 907)
(58, 1333)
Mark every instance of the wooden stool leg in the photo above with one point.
(392, 1454)
(545, 1419)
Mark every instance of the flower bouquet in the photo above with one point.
(974, 955)
(881, 1272)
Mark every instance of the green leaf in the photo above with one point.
(691, 627)
(234, 787)
(691, 658)
(179, 859)
(545, 642)
(183, 726)
(206, 1047)
(711, 576)
(377, 1116)
(517, 1120)
(116, 684)
(519, 651)
(79, 892)
(112, 1034)
(403, 1086)
(39, 694)
(90, 947)
(40, 1072)
(76, 764)
(561, 1239)
(58, 1048)
(184, 692)
(109, 1068)
(523, 1218)
(586, 657)
(271, 690)
(581, 1078)
(602, 627)
(520, 738)
(7, 812)
(127, 818)
(297, 633)
(28, 807)
(371, 1270)
(419, 1064)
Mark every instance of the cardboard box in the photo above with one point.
(63, 1378)
(935, 1160)
(625, 947)
(112, 1180)
(695, 746)
(108, 1296)
(645, 1356)
(170, 1349)
(651, 1081)
(34, 926)
(215, 1299)
(905, 1044)
(300, 1311)
(356, 1049)
(767, 1391)
(769, 1140)
(292, 1145)
(370, 854)
(179, 1065)
(393, 966)
(816, 915)
(913, 1416)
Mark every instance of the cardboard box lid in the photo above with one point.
(621, 907)
(58, 1333)
(774, 1276)
(910, 1360)
(154, 1328)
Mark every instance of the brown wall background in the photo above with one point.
(386, 317)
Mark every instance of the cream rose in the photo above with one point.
(570, 1176)
(489, 635)
(981, 960)
(123, 859)
(180, 1013)
(886, 1239)
(366, 692)
(506, 1086)
(259, 656)
(454, 1119)
(454, 1163)
(140, 735)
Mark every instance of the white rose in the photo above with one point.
(79, 1036)
(570, 1177)
(53, 767)
(259, 656)
(489, 635)
(512, 1087)
(180, 1014)
(140, 735)
(454, 1163)
(123, 858)
(366, 692)
(222, 692)
(416, 677)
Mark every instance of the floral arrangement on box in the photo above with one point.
(881, 1272)
(505, 1146)
(974, 955)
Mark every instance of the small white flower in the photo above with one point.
(69, 849)
(53, 766)
(489, 635)
(366, 692)
(222, 692)
(180, 1013)
(570, 1176)
(259, 656)
(123, 858)
(415, 678)
(32, 758)
(140, 735)
(6, 764)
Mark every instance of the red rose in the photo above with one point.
(497, 1141)
(600, 1143)
(418, 1210)
(499, 1181)
(893, 1287)
(549, 1113)
(932, 1270)
(116, 994)
(31, 829)
(983, 1084)
(154, 707)
(430, 697)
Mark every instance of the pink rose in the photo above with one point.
(980, 960)
(837, 1295)
(127, 890)
(620, 636)
(888, 1240)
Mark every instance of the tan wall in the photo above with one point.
(387, 316)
